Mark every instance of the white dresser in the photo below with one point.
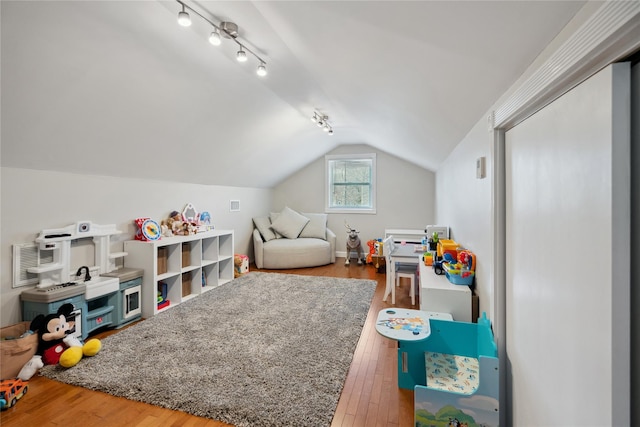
(439, 295)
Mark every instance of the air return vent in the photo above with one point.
(234, 205)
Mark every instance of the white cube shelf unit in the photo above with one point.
(188, 265)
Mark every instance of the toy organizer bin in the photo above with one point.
(462, 272)
(458, 277)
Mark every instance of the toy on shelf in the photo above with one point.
(205, 222)
(185, 223)
(162, 299)
(148, 229)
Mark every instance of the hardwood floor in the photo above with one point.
(370, 396)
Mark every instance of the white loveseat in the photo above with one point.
(293, 240)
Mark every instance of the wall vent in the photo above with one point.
(234, 205)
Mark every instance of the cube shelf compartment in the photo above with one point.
(188, 265)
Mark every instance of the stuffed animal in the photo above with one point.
(353, 244)
(241, 265)
(56, 345)
(237, 262)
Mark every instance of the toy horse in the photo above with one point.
(353, 244)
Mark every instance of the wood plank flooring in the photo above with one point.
(370, 396)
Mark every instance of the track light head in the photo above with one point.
(183, 18)
(262, 70)
(326, 127)
(241, 55)
(330, 132)
(214, 38)
(314, 118)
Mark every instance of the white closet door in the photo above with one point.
(567, 213)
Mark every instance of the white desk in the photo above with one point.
(439, 295)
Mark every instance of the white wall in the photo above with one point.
(405, 195)
(34, 200)
(464, 203)
(469, 213)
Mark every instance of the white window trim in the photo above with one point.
(327, 189)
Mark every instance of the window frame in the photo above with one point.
(328, 159)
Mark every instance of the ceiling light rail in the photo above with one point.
(228, 30)
(322, 121)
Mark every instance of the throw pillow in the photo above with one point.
(263, 224)
(273, 216)
(289, 223)
(317, 226)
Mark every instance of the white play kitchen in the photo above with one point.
(102, 294)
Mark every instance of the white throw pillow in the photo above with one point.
(273, 216)
(317, 226)
(263, 224)
(289, 223)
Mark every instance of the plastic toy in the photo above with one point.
(11, 391)
(148, 229)
(372, 251)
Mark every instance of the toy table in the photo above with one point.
(409, 328)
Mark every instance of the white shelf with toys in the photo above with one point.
(179, 268)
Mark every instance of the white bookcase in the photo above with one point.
(186, 266)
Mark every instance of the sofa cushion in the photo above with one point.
(263, 224)
(289, 223)
(316, 227)
(296, 253)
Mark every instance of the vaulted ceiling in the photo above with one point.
(120, 89)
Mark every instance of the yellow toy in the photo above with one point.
(241, 265)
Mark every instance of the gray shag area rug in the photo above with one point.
(266, 349)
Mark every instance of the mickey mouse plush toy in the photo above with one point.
(56, 344)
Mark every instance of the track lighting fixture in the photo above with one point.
(241, 55)
(183, 18)
(322, 121)
(228, 30)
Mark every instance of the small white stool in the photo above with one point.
(409, 272)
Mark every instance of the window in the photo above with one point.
(351, 183)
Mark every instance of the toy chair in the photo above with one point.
(408, 272)
(457, 366)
